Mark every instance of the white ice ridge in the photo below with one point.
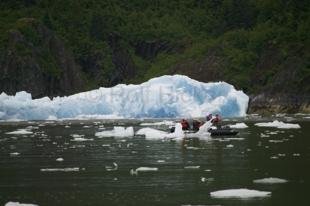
(278, 124)
(240, 194)
(165, 96)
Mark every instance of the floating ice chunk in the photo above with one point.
(20, 132)
(229, 146)
(14, 153)
(153, 134)
(192, 167)
(238, 126)
(116, 132)
(81, 139)
(147, 169)
(166, 96)
(165, 122)
(264, 135)
(19, 204)
(235, 138)
(76, 135)
(270, 180)
(278, 124)
(240, 194)
(275, 141)
(112, 168)
(161, 161)
(60, 159)
(143, 169)
(68, 169)
(203, 179)
(192, 148)
(202, 133)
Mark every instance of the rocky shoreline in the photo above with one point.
(267, 104)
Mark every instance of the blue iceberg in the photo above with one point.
(162, 97)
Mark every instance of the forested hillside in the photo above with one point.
(58, 47)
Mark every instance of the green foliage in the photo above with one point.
(242, 29)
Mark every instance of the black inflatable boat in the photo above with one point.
(223, 132)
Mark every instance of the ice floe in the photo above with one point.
(153, 134)
(240, 193)
(20, 132)
(238, 126)
(278, 124)
(81, 139)
(143, 169)
(270, 180)
(192, 167)
(116, 132)
(18, 204)
(68, 169)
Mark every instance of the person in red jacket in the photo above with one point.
(216, 121)
(185, 124)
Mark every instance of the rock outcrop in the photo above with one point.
(36, 60)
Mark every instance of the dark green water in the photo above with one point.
(222, 167)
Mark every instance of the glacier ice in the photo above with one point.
(165, 96)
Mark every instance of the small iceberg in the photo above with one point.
(160, 97)
(270, 180)
(116, 132)
(143, 169)
(192, 167)
(279, 125)
(18, 204)
(20, 132)
(60, 159)
(69, 169)
(81, 139)
(151, 134)
(238, 126)
(154, 134)
(112, 168)
(240, 194)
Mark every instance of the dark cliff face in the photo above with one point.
(35, 60)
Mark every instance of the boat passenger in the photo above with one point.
(185, 124)
(216, 121)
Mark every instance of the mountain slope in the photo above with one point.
(260, 46)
